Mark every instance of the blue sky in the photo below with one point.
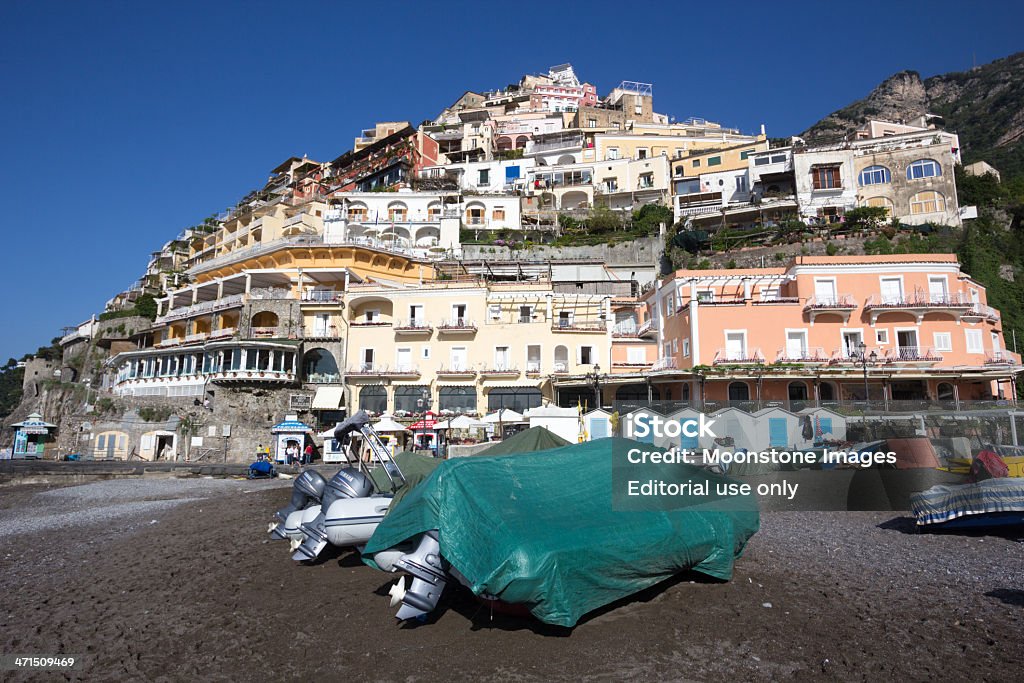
(124, 122)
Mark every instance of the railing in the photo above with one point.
(322, 295)
(262, 332)
(455, 324)
(459, 370)
(646, 327)
(198, 337)
(1001, 358)
(413, 325)
(814, 355)
(698, 198)
(573, 326)
(978, 310)
(323, 378)
(912, 353)
(919, 299)
(560, 367)
(626, 328)
(202, 307)
(742, 356)
(831, 302)
(330, 333)
(500, 369)
(843, 355)
(366, 369)
(251, 375)
(664, 364)
(224, 332)
(563, 143)
(370, 323)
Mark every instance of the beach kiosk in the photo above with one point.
(290, 433)
(30, 436)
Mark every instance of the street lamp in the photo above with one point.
(864, 358)
(596, 376)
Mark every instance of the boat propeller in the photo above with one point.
(397, 591)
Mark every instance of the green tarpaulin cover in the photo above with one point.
(415, 467)
(539, 529)
(526, 441)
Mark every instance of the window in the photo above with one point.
(357, 214)
(825, 177)
(883, 202)
(525, 314)
(705, 296)
(641, 153)
(745, 153)
(484, 177)
(368, 358)
(874, 175)
(881, 336)
(974, 343)
(396, 213)
(945, 392)
(403, 359)
(494, 312)
(796, 344)
(666, 350)
(498, 214)
(373, 398)
(416, 314)
(561, 358)
(670, 304)
(943, 341)
(739, 391)
(519, 399)
(636, 355)
(458, 358)
(412, 399)
(475, 215)
(565, 318)
(741, 183)
(591, 123)
(586, 355)
(502, 359)
(778, 158)
(715, 161)
(646, 181)
(679, 153)
(695, 163)
(923, 168)
(761, 161)
(459, 314)
(372, 315)
(851, 343)
(927, 202)
(434, 212)
(533, 358)
(426, 353)
(459, 400)
(613, 152)
(686, 348)
(611, 185)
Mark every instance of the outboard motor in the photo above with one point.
(308, 488)
(347, 483)
(429, 577)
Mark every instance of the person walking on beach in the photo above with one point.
(307, 456)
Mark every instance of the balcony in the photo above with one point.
(322, 296)
(173, 341)
(913, 354)
(223, 333)
(626, 329)
(375, 370)
(456, 372)
(803, 356)
(457, 326)
(1001, 358)
(837, 302)
(328, 333)
(370, 323)
(263, 332)
(664, 364)
(196, 338)
(573, 326)
(413, 326)
(918, 304)
(979, 312)
(846, 356)
(274, 376)
(503, 371)
(738, 357)
(647, 329)
(231, 301)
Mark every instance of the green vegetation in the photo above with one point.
(145, 307)
(11, 377)
(160, 414)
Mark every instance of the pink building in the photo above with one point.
(907, 327)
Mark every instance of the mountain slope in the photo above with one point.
(985, 106)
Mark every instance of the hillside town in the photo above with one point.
(443, 268)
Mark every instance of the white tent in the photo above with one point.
(503, 415)
(565, 422)
(461, 422)
(387, 424)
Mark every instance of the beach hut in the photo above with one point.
(823, 425)
(776, 428)
(734, 430)
(30, 436)
(290, 434)
(631, 420)
(690, 416)
(597, 424)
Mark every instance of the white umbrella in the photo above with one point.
(461, 422)
(503, 415)
(387, 424)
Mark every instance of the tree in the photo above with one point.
(145, 306)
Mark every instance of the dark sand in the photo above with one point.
(201, 594)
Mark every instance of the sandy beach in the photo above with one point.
(168, 579)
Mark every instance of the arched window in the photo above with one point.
(739, 391)
(927, 202)
(373, 398)
(515, 398)
(561, 359)
(945, 391)
(827, 391)
(883, 202)
(875, 175)
(318, 365)
(634, 393)
(459, 400)
(923, 168)
(797, 391)
(397, 211)
(412, 399)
